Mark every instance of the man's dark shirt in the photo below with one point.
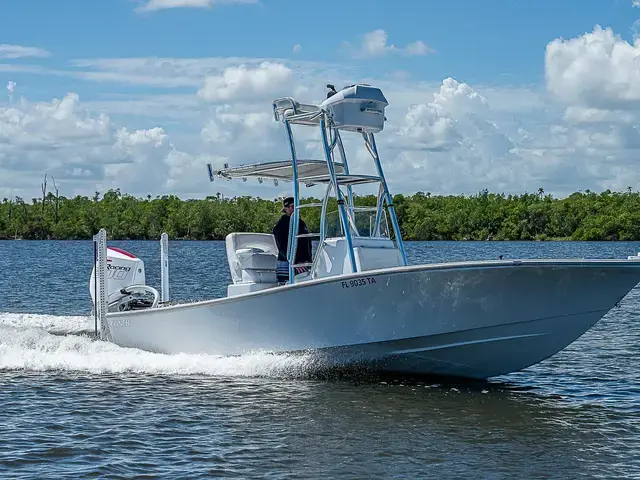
(281, 234)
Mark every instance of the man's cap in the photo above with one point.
(287, 202)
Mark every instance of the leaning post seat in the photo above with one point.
(252, 258)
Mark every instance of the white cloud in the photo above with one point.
(375, 44)
(596, 78)
(448, 138)
(635, 3)
(578, 114)
(118, 74)
(296, 48)
(596, 70)
(164, 108)
(456, 117)
(17, 51)
(84, 151)
(153, 71)
(177, 72)
(230, 129)
(154, 5)
(246, 82)
(435, 125)
(452, 140)
(417, 48)
(450, 143)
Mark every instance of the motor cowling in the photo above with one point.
(125, 282)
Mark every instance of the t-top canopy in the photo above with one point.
(341, 179)
(279, 170)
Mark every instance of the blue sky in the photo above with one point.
(107, 54)
(474, 40)
(477, 41)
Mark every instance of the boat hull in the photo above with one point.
(471, 319)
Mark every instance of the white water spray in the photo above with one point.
(37, 343)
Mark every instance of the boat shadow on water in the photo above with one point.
(365, 375)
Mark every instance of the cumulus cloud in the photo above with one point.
(85, 151)
(18, 51)
(451, 137)
(446, 121)
(247, 82)
(597, 70)
(154, 5)
(452, 141)
(231, 129)
(451, 133)
(596, 78)
(374, 44)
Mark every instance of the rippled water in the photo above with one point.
(72, 407)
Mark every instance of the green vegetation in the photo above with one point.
(581, 216)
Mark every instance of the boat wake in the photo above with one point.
(48, 343)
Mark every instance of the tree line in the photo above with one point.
(484, 216)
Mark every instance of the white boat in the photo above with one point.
(359, 303)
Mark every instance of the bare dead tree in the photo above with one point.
(44, 192)
(55, 187)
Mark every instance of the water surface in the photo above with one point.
(73, 407)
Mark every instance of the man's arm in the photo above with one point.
(281, 236)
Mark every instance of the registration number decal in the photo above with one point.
(120, 323)
(358, 282)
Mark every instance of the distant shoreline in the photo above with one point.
(582, 216)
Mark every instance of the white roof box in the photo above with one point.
(357, 108)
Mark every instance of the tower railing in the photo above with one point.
(290, 112)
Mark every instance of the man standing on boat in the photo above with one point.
(281, 234)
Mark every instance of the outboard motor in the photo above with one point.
(126, 289)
